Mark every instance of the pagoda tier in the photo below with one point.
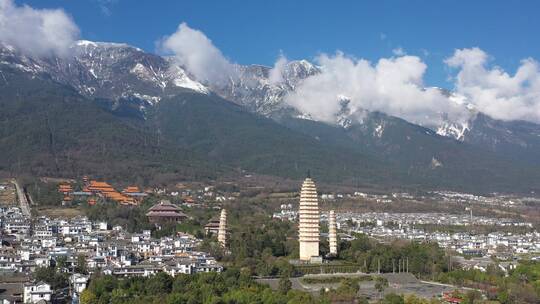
(332, 233)
(309, 221)
(222, 232)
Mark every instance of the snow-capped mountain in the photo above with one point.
(111, 71)
(457, 129)
(253, 88)
(181, 111)
(119, 72)
(116, 73)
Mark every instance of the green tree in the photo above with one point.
(393, 298)
(161, 283)
(472, 297)
(299, 297)
(414, 299)
(88, 297)
(349, 286)
(380, 285)
(81, 266)
(61, 262)
(284, 285)
(51, 276)
(362, 300)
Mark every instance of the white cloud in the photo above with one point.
(395, 86)
(494, 91)
(276, 73)
(106, 6)
(392, 85)
(38, 32)
(399, 51)
(198, 55)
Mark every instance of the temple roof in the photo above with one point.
(163, 206)
(165, 209)
(132, 189)
(165, 214)
(212, 225)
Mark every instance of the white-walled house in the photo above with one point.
(79, 282)
(35, 292)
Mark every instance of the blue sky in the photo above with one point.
(257, 31)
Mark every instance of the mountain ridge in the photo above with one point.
(132, 84)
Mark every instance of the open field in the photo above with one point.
(57, 180)
(8, 194)
(57, 212)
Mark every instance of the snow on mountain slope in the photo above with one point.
(456, 129)
(178, 77)
(453, 130)
(253, 89)
(120, 72)
(109, 71)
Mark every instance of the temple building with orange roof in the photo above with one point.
(134, 191)
(108, 192)
(95, 186)
(65, 188)
(67, 200)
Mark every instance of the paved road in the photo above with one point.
(23, 201)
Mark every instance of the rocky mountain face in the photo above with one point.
(518, 140)
(122, 74)
(119, 72)
(132, 83)
(109, 71)
(254, 89)
(125, 75)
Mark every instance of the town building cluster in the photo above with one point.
(286, 213)
(30, 243)
(408, 226)
(427, 218)
(492, 200)
(495, 200)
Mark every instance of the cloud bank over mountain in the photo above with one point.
(392, 85)
(198, 55)
(276, 73)
(494, 91)
(37, 32)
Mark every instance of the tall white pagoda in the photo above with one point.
(332, 233)
(222, 232)
(309, 221)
